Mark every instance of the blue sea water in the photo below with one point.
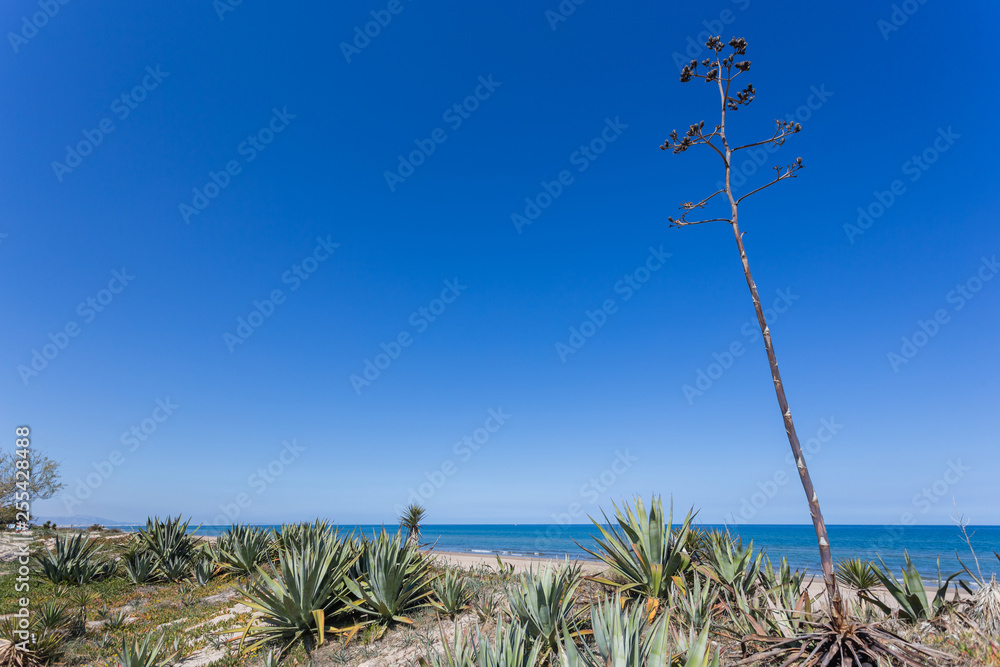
(925, 544)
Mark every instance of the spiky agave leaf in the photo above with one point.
(647, 553)
(295, 535)
(143, 652)
(542, 602)
(393, 579)
(172, 547)
(72, 560)
(910, 593)
(140, 567)
(452, 593)
(297, 599)
(460, 652)
(512, 646)
(241, 549)
(731, 564)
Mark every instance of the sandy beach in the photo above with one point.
(520, 563)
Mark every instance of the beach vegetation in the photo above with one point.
(393, 579)
(914, 602)
(857, 573)
(542, 602)
(293, 536)
(239, 550)
(73, 559)
(644, 554)
(452, 593)
(300, 597)
(410, 520)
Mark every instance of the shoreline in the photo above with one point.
(468, 560)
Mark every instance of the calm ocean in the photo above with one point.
(925, 544)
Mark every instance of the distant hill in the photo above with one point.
(78, 520)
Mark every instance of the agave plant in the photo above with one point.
(295, 535)
(241, 549)
(910, 594)
(171, 546)
(695, 604)
(205, 569)
(623, 637)
(858, 574)
(144, 652)
(43, 646)
(115, 620)
(175, 568)
(74, 560)
(648, 555)
(452, 593)
(782, 578)
(543, 603)
(296, 600)
(394, 579)
(512, 646)
(460, 652)
(139, 567)
(732, 565)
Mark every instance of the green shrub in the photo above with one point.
(172, 548)
(858, 574)
(452, 593)
(542, 602)
(392, 579)
(74, 560)
(298, 598)
(647, 556)
(910, 595)
(241, 549)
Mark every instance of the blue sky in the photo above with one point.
(228, 188)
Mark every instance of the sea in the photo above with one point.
(931, 548)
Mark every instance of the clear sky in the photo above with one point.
(215, 214)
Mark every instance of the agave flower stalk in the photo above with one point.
(723, 71)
